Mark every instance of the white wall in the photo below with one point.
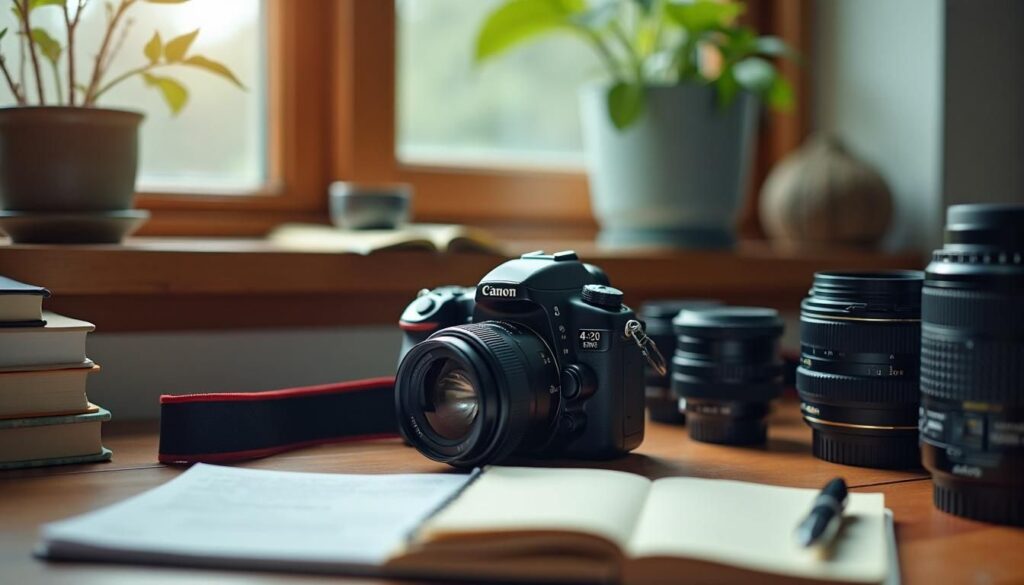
(984, 101)
(137, 368)
(877, 71)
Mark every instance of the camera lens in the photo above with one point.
(860, 338)
(473, 394)
(657, 316)
(972, 365)
(726, 366)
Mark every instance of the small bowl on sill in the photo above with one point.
(357, 206)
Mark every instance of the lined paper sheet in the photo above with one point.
(229, 513)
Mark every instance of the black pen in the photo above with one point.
(822, 524)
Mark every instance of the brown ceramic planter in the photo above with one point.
(68, 160)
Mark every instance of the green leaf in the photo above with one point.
(154, 48)
(176, 48)
(213, 67)
(516, 21)
(738, 42)
(780, 94)
(3, 33)
(174, 93)
(50, 48)
(625, 103)
(727, 88)
(33, 4)
(703, 15)
(754, 74)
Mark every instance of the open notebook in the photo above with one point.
(507, 523)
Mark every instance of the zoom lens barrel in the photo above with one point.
(473, 394)
(972, 365)
(726, 366)
(662, 403)
(860, 337)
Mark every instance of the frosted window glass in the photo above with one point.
(218, 142)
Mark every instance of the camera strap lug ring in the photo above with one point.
(649, 349)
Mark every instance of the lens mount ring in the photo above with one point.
(842, 425)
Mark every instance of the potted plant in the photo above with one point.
(669, 136)
(67, 166)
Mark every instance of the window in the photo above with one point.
(373, 90)
(186, 152)
(520, 108)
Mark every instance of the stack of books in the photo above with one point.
(45, 417)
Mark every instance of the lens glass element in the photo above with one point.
(452, 401)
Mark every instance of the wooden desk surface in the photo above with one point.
(933, 547)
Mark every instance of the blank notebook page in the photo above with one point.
(750, 525)
(594, 501)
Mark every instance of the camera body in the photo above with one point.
(591, 372)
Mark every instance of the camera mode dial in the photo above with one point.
(602, 297)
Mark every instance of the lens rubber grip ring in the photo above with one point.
(973, 371)
(998, 314)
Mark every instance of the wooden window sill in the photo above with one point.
(165, 284)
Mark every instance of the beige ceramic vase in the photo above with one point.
(823, 196)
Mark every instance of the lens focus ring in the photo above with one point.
(861, 336)
(833, 387)
(511, 365)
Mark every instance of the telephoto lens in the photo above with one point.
(972, 365)
(662, 404)
(860, 339)
(727, 368)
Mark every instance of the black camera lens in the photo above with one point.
(726, 367)
(662, 404)
(972, 365)
(860, 338)
(473, 394)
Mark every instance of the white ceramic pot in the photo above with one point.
(677, 176)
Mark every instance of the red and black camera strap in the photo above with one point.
(217, 428)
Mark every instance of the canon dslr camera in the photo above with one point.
(542, 359)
